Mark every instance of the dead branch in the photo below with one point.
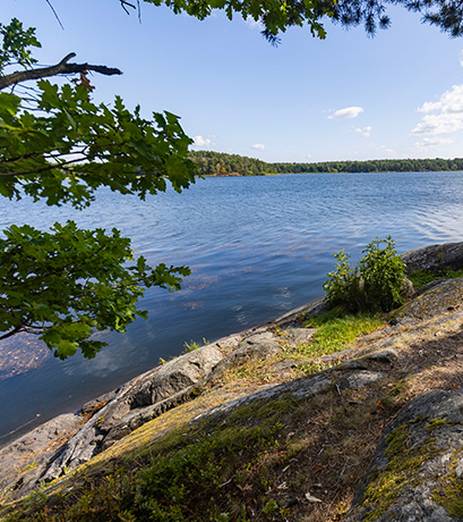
(63, 67)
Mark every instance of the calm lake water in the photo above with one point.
(257, 246)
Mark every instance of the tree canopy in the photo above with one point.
(212, 163)
(64, 284)
(277, 17)
(58, 146)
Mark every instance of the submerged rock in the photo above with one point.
(20, 354)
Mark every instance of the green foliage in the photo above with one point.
(377, 283)
(383, 274)
(192, 346)
(211, 163)
(76, 146)
(400, 165)
(64, 284)
(58, 145)
(277, 17)
(15, 44)
(339, 286)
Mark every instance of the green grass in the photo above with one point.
(421, 278)
(193, 345)
(337, 330)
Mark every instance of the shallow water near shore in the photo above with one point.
(258, 246)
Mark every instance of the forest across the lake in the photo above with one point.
(212, 163)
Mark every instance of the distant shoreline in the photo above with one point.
(270, 174)
(219, 164)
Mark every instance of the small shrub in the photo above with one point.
(338, 287)
(376, 284)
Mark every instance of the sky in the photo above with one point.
(349, 97)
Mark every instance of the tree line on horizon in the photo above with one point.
(212, 163)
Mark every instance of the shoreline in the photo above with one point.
(269, 174)
(82, 405)
(87, 406)
(414, 259)
(198, 379)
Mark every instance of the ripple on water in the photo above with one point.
(257, 247)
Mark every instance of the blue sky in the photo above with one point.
(399, 94)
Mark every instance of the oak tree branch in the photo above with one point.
(63, 67)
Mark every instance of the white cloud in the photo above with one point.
(346, 113)
(444, 116)
(434, 142)
(451, 101)
(364, 131)
(258, 146)
(435, 124)
(201, 141)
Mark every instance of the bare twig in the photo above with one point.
(63, 67)
(53, 10)
(125, 5)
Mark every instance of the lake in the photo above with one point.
(258, 246)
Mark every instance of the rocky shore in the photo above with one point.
(369, 432)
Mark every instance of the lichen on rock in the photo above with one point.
(413, 458)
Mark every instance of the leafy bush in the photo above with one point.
(376, 284)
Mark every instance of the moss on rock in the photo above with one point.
(449, 494)
(403, 463)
